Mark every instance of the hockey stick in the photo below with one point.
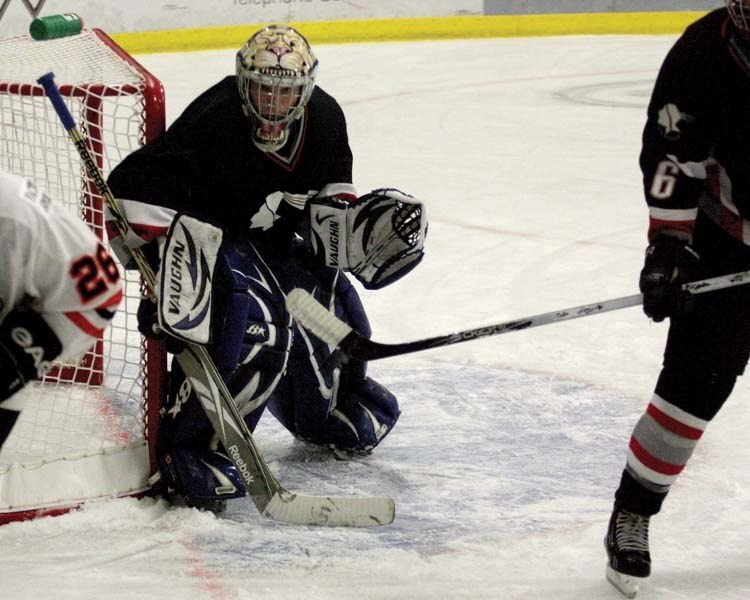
(270, 497)
(335, 332)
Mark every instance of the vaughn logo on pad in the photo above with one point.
(186, 278)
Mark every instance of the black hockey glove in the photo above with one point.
(148, 321)
(669, 263)
(28, 345)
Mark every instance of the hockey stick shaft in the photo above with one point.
(270, 498)
(335, 332)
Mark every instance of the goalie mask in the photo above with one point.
(739, 10)
(276, 76)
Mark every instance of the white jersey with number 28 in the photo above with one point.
(52, 263)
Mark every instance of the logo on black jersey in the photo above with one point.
(671, 119)
(267, 214)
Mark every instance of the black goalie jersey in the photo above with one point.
(696, 143)
(206, 164)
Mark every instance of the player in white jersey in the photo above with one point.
(59, 287)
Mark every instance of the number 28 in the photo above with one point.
(94, 273)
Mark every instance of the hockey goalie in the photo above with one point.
(254, 181)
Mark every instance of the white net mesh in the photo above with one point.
(96, 408)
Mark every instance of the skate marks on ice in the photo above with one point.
(478, 454)
(502, 480)
(628, 93)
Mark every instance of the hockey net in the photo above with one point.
(86, 430)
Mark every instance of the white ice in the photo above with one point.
(508, 451)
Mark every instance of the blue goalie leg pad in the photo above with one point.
(359, 422)
(202, 479)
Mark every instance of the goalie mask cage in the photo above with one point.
(86, 430)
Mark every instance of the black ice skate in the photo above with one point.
(627, 549)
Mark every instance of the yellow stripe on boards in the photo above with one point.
(437, 28)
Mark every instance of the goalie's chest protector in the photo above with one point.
(234, 183)
(206, 164)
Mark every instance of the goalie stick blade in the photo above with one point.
(331, 511)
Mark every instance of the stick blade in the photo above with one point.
(314, 316)
(331, 511)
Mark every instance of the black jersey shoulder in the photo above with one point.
(161, 171)
(218, 104)
(325, 105)
(696, 64)
(328, 136)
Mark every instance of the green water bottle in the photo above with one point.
(55, 26)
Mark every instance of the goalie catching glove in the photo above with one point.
(379, 237)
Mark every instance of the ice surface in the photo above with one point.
(508, 451)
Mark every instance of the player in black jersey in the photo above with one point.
(695, 161)
(265, 155)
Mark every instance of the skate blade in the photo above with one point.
(627, 585)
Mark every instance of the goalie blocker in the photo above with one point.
(186, 279)
(379, 237)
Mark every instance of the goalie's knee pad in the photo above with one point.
(321, 401)
(183, 418)
(334, 290)
(255, 335)
(360, 420)
(250, 347)
(200, 478)
(329, 286)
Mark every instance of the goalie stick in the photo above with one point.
(269, 496)
(322, 323)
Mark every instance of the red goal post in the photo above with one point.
(87, 430)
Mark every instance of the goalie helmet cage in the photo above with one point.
(86, 430)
